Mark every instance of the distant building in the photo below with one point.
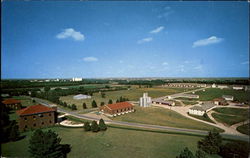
(222, 86)
(238, 87)
(219, 101)
(201, 109)
(184, 95)
(76, 79)
(117, 109)
(214, 85)
(145, 101)
(161, 101)
(36, 116)
(12, 103)
(228, 97)
(81, 96)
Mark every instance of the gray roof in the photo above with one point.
(162, 101)
(203, 107)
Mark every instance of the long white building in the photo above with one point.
(145, 101)
(76, 79)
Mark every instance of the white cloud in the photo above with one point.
(70, 33)
(199, 67)
(90, 59)
(207, 41)
(245, 62)
(148, 39)
(157, 30)
(165, 63)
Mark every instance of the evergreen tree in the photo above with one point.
(86, 126)
(200, 154)
(110, 101)
(102, 125)
(45, 144)
(94, 126)
(117, 101)
(211, 144)
(186, 153)
(94, 105)
(103, 95)
(84, 106)
(73, 107)
(14, 132)
(102, 103)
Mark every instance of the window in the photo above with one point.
(42, 123)
(34, 117)
(34, 125)
(25, 118)
(49, 114)
(25, 126)
(50, 121)
(40, 115)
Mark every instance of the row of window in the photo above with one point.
(34, 125)
(126, 109)
(34, 117)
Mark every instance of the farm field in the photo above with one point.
(244, 129)
(112, 144)
(133, 95)
(211, 93)
(231, 116)
(164, 117)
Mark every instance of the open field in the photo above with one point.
(212, 93)
(25, 100)
(164, 117)
(244, 129)
(202, 118)
(112, 144)
(228, 119)
(189, 102)
(231, 116)
(133, 94)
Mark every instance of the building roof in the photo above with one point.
(11, 101)
(120, 105)
(203, 107)
(161, 100)
(219, 99)
(34, 109)
(227, 96)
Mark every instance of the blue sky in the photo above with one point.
(124, 39)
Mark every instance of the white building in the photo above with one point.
(228, 97)
(81, 96)
(238, 87)
(76, 79)
(214, 85)
(222, 86)
(201, 109)
(145, 101)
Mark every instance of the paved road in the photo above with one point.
(139, 125)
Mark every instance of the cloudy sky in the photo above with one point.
(124, 39)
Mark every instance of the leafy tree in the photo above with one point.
(94, 105)
(94, 126)
(47, 88)
(86, 126)
(211, 143)
(186, 153)
(234, 149)
(110, 101)
(84, 106)
(200, 154)
(14, 132)
(73, 107)
(103, 95)
(102, 103)
(65, 104)
(102, 125)
(33, 93)
(45, 144)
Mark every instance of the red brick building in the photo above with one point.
(219, 101)
(117, 109)
(36, 116)
(12, 103)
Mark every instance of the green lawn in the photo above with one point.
(244, 129)
(231, 116)
(133, 94)
(228, 119)
(25, 100)
(112, 144)
(164, 117)
(189, 102)
(233, 111)
(202, 118)
(212, 93)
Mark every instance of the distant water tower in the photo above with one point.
(145, 101)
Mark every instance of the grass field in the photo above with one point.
(212, 93)
(202, 118)
(231, 116)
(133, 94)
(189, 102)
(112, 144)
(244, 129)
(164, 117)
(25, 100)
